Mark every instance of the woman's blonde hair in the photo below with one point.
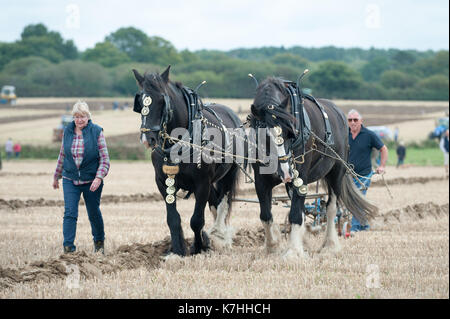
(81, 107)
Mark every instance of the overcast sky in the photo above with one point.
(230, 24)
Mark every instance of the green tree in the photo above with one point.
(435, 82)
(290, 59)
(397, 79)
(335, 79)
(17, 73)
(22, 66)
(373, 69)
(36, 40)
(129, 40)
(34, 30)
(214, 82)
(106, 54)
(160, 51)
(188, 56)
(123, 80)
(403, 58)
(438, 64)
(141, 48)
(71, 78)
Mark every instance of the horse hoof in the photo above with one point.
(181, 251)
(205, 240)
(171, 257)
(194, 250)
(205, 246)
(330, 248)
(272, 249)
(221, 239)
(294, 254)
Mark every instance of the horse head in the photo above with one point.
(271, 110)
(153, 102)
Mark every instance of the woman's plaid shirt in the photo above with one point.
(77, 153)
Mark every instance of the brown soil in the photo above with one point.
(28, 118)
(150, 255)
(150, 197)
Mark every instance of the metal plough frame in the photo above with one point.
(315, 210)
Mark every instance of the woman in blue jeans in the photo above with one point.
(83, 163)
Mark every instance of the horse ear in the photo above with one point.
(139, 78)
(165, 75)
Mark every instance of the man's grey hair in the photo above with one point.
(353, 111)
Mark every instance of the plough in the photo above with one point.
(315, 209)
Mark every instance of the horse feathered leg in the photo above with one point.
(331, 242)
(272, 237)
(272, 234)
(221, 232)
(220, 205)
(295, 247)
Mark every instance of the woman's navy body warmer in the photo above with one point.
(91, 156)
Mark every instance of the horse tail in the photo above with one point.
(356, 202)
(233, 178)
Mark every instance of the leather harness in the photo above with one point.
(195, 116)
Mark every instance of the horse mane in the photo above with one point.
(154, 82)
(265, 96)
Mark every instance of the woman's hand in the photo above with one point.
(55, 184)
(95, 184)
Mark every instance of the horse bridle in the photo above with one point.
(144, 99)
(194, 109)
(301, 130)
(256, 124)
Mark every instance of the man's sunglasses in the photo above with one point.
(354, 120)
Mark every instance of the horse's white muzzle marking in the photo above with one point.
(144, 140)
(287, 177)
(281, 153)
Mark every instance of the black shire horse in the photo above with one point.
(307, 137)
(168, 107)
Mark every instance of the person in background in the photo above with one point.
(83, 163)
(396, 134)
(361, 141)
(401, 153)
(443, 145)
(17, 149)
(9, 148)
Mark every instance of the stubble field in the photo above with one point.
(404, 255)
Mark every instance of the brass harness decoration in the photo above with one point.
(170, 171)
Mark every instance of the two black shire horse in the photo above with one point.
(272, 108)
(166, 106)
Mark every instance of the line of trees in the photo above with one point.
(42, 63)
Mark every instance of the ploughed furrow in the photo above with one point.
(145, 197)
(150, 256)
